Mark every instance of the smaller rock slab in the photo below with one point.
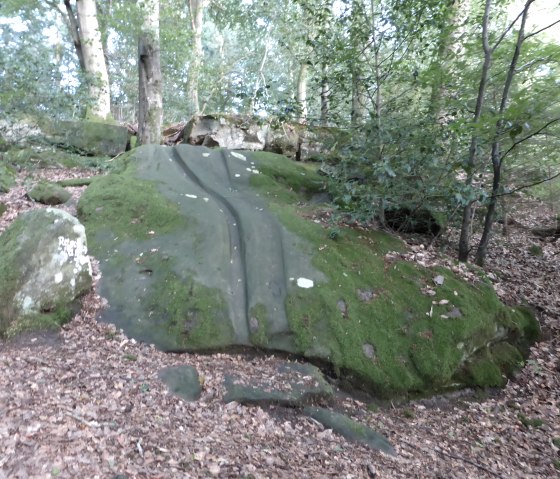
(295, 385)
(350, 429)
(89, 137)
(183, 381)
(49, 193)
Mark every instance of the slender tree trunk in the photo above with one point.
(93, 59)
(196, 8)
(496, 146)
(356, 38)
(464, 239)
(74, 30)
(324, 96)
(260, 76)
(358, 99)
(302, 91)
(150, 85)
(449, 46)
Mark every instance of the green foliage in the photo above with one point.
(405, 164)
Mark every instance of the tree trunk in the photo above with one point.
(324, 96)
(260, 76)
(464, 240)
(150, 107)
(449, 46)
(73, 28)
(302, 91)
(496, 146)
(196, 8)
(357, 41)
(93, 59)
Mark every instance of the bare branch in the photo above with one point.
(505, 32)
(524, 187)
(528, 137)
(541, 30)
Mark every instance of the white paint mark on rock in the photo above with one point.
(238, 156)
(206, 155)
(206, 199)
(58, 277)
(237, 175)
(194, 197)
(305, 283)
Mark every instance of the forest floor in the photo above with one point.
(88, 402)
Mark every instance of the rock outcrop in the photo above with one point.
(294, 140)
(208, 249)
(44, 267)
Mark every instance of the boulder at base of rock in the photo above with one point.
(294, 385)
(350, 429)
(89, 137)
(49, 193)
(7, 178)
(182, 381)
(44, 267)
(234, 133)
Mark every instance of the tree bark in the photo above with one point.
(260, 76)
(302, 91)
(93, 59)
(74, 30)
(324, 96)
(358, 88)
(496, 146)
(464, 240)
(196, 8)
(150, 85)
(448, 45)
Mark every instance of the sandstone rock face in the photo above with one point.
(44, 267)
(205, 249)
(225, 132)
(296, 141)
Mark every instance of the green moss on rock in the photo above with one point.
(484, 372)
(420, 342)
(128, 208)
(7, 178)
(49, 193)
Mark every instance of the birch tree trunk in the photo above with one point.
(93, 59)
(150, 85)
(302, 91)
(196, 8)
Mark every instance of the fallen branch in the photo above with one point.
(456, 457)
(76, 181)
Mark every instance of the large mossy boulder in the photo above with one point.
(94, 138)
(203, 249)
(44, 267)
